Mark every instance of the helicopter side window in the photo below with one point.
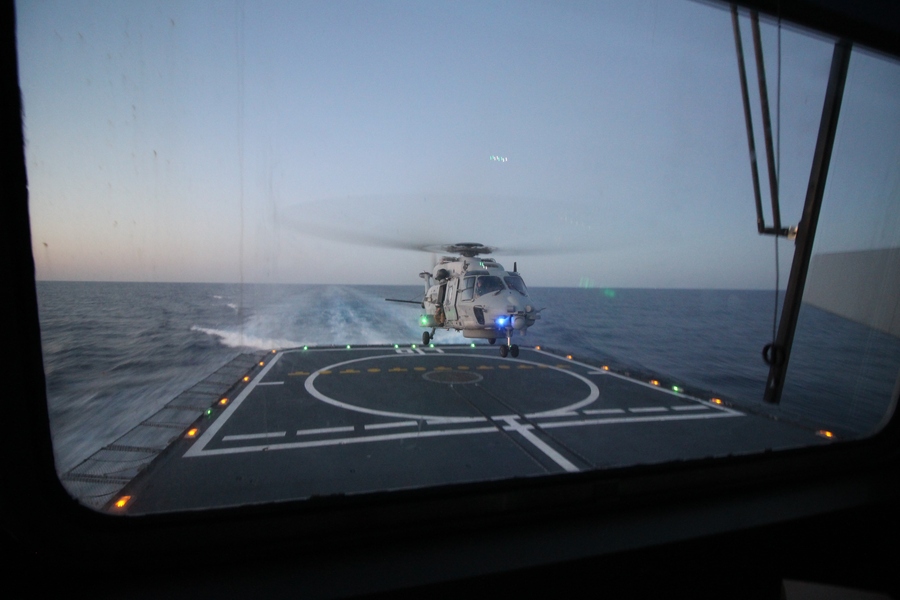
(514, 282)
(487, 284)
(467, 290)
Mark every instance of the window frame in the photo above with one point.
(437, 534)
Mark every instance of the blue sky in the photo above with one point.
(193, 141)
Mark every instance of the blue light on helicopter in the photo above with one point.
(502, 321)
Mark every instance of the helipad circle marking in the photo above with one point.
(309, 384)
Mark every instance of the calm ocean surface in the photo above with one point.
(114, 353)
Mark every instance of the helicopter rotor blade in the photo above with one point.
(363, 221)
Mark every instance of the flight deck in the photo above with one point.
(330, 421)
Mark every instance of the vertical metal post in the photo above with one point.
(776, 229)
(767, 120)
(806, 232)
(748, 119)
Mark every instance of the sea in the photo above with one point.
(115, 353)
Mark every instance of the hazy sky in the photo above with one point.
(223, 141)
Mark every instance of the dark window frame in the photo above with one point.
(337, 545)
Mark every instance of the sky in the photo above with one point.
(296, 142)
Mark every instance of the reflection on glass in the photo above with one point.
(225, 192)
(844, 368)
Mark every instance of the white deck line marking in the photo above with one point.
(524, 431)
(721, 408)
(208, 435)
(719, 415)
(197, 449)
(254, 436)
(389, 425)
(271, 383)
(326, 430)
(701, 407)
(310, 386)
(451, 420)
(352, 440)
(553, 415)
(648, 409)
(604, 411)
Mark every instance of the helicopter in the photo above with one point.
(476, 295)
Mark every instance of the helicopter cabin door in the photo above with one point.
(450, 300)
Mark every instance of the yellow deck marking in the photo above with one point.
(297, 373)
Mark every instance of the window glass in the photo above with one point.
(223, 195)
(844, 365)
(515, 282)
(468, 290)
(487, 284)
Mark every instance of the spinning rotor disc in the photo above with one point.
(467, 249)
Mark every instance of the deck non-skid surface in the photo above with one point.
(338, 421)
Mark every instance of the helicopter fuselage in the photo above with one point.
(477, 296)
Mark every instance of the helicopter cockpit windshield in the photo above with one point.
(514, 282)
(486, 284)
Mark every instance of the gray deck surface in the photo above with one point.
(320, 422)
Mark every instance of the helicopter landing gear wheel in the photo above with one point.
(492, 341)
(426, 338)
(514, 351)
(504, 349)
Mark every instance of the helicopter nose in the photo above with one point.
(514, 303)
